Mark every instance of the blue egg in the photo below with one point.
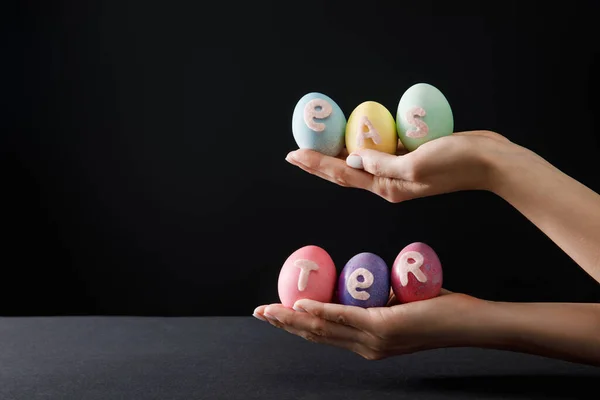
(364, 282)
(319, 124)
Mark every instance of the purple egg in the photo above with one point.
(364, 282)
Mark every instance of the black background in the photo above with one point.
(145, 174)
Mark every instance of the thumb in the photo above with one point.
(376, 163)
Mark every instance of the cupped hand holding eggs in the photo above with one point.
(428, 158)
(378, 332)
(373, 300)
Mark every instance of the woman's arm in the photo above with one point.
(566, 331)
(565, 210)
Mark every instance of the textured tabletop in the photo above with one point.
(87, 358)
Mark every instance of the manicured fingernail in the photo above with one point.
(271, 317)
(354, 161)
(258, 316)
(299, 309)
(289, 158)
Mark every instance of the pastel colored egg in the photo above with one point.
(308, 273)
(319, 124)
(371, 126)
(416, 273)
(364, 282)
(424, 114)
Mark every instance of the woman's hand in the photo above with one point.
(377, 333)
(462, 161)
(567, 331)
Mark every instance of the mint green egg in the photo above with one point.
(319, 124)
(424, 114)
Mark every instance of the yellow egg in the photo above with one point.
(371, 126)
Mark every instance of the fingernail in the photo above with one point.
(289, 158)
(258, 316)
(354, 161)
(271, 317)
(299, 309)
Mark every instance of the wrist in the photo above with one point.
(477, 324)
(509, 166)
(464, 321)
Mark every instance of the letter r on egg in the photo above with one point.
(414, 268)
(306, 267)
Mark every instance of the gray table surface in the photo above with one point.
(243, 358)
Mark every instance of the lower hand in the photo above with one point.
(377, 333)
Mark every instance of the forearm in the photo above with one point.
(564, 331)
(565, 210)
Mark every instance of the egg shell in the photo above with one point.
(416, 273)
(371, 126)
(364, 281)
(319, 124)
(308, 273)
(423, 114)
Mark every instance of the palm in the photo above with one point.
(373, 333)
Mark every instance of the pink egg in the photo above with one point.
(308, 273)
(416, 273)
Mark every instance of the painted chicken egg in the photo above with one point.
(423, 114)
(416, 273)
(319, 124)
(364, 282)
(371, 126)
(308, 273)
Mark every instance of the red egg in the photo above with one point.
(308, 273)
(416, 273)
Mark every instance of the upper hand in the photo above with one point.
(376, 333)
(462, 161)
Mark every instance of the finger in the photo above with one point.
(259, 311)
(320, 174)
(314, 326)
(380, 164)
(354, 160)
(330, 168)
(357, 341)
(356, 317)
(355, 347)
(444, 292)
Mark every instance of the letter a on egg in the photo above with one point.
(369, 133)
(306, 267)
